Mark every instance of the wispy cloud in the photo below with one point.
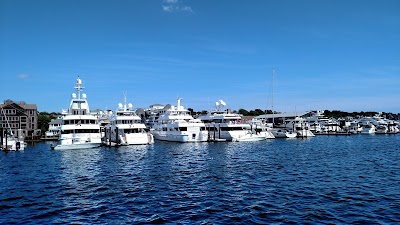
(175, 6)
(23, 76)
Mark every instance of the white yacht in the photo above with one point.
(283, 133)
(223, 125)
(368, 128)
(8, 141)
(382, 129)
(79, 129)
(299, 126)
(260, 129)
(355, 127)
(393, 128)
(126, 127)
(53, 132)
(176, 124)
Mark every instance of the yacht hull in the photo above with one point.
(76, 146)
(180, 137)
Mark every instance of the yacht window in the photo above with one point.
(212, 129)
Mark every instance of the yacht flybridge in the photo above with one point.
(79, 129)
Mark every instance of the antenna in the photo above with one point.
(125, 100)
(79, 87)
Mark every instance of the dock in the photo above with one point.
(334, 133)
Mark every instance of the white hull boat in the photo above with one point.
(177, 124)
(12, 145)
(79, 129)
(126, 127)
(282, 133)
(181, 137)
(76, 146)
(224, 125)
(250, 137)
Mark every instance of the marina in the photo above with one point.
(199, 112)
(79, 128)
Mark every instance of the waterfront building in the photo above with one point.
(19, 116)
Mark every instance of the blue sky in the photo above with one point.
(336, 55)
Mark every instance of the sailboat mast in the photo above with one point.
(8, 124)
(273, 117)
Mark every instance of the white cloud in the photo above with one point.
(23, 75)
(175, 6)
(186, 8)
(168, 8)
(171, 1)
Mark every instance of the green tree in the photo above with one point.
(243, 112)
(44, 119)
(191, 111)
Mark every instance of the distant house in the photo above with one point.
(19, 115)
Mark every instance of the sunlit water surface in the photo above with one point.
(325, 179)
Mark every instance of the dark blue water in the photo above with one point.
(325, 180)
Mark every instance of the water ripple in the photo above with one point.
(326, 180)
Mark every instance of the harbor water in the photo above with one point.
(324, 179)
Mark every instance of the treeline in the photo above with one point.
(327, 113)
(341, 114)
(255, 112)
(244, 112)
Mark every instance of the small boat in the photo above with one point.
(249, 136)
(368, 128)
(381, 129)
(8, 141)
(11, 143)
(283, 133)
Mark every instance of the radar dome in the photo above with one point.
(84, 96)
(73, 95)
(119, 105)
(130, 105)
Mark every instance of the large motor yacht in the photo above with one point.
(126, 127)
(79, 129)
(222, 124)
(177, 124)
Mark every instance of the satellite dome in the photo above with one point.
(119, 105)
(130, 105)
(84, 96)
(73, 95)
